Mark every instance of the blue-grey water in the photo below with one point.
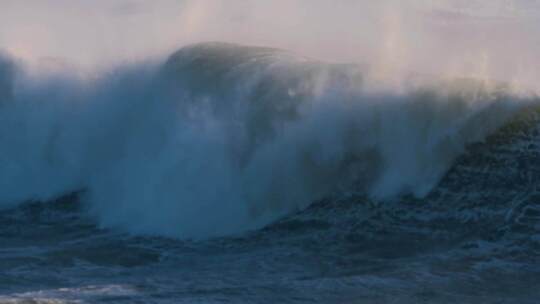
(241, 195)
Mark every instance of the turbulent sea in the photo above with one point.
(234, 174)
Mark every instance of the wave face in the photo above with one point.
(223, 138)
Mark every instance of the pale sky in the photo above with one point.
(498, 37)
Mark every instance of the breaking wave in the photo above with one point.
(222, 138)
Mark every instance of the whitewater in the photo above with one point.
(250, 133)
(227, 172)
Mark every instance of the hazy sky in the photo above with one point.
(461, 36)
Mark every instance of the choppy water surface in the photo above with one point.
(248, 175)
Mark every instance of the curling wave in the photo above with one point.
(223, 138)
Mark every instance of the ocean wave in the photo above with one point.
(221, 138)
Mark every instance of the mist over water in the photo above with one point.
(496, 39)
(284, 151)
(249, 133)
(221, 138)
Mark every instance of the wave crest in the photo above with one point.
(225, 138)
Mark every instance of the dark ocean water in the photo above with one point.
(474, 238)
